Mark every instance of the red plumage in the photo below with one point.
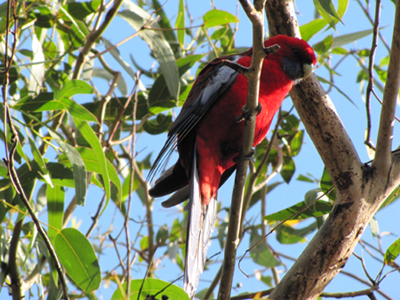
(207, 125)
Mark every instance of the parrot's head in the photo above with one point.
(296, 56)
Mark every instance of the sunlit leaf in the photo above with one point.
(80, 10)
(151, 286)
(296, 143)
(180, 22)
(392, 252)
(321, 208)
(91, 138)
(73, 87)
(288, 235)
(309, 29)
(55, 210)
(78, 111)
(77, 256)
(324, 45)
(217, 17)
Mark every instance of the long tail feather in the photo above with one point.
(201, 223)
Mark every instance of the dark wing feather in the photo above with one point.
(211, 83)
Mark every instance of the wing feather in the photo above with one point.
(211, 83)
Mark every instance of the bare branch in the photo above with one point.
(257, 19)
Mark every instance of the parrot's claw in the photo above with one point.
(248, 156)
(245, 116)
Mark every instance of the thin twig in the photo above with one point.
(132, 172)
(370, 86)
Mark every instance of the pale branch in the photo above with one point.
(232, 241)
(382, 161)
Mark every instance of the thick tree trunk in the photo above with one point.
(361, 189)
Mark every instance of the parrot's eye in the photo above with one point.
(296, 52)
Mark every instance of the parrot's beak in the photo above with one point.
(308, 69)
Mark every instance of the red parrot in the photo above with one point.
(208, 134)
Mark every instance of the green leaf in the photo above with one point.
(392, 252)
(55, 210)
(341, 40)
(289, 235)
(77, 256)
(44, 102)
(261, 254)
(93, 165)
(137, 17)
(326, 183)
(80, 10)
(319, 209)
(61, 175)
(72, 88)
(296, 143)
(91, 138)
(304, 178)
(78, 167)
(324, 45)
(309, 29)
(39, 159)
(217, 17)
(150, 287)
(78, 111)
(180, 22)
(327, 11)
(162, 234)
(394, 195)
(158, 125)
(288, 170)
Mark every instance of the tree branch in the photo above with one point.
(382, 160)
(360, 190)
(256, 16)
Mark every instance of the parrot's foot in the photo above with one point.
(245, 116)
(248, 156)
